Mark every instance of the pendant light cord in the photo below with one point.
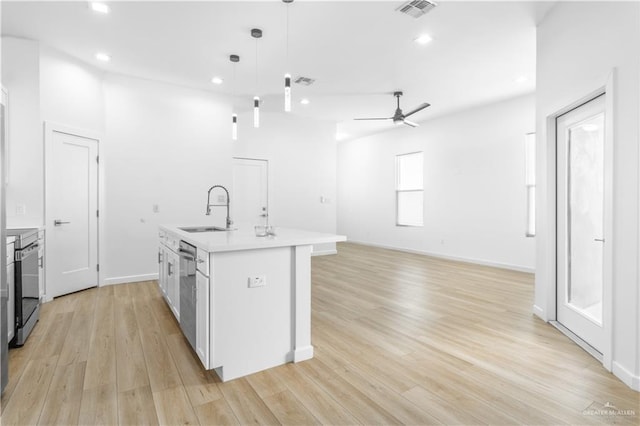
(256, 66)
(287, 42)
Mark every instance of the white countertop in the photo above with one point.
(245, 238)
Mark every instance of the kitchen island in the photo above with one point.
(242, 301)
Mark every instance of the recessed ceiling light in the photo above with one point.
(423, 39)
(304, 101)
(103, 57)
(99, 7)
(217, 80)
(521, 79)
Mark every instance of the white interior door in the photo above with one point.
(249, 199)
(72, 213)
(580, 220)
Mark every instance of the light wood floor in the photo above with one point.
(399, 339)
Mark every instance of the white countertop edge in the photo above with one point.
(245, 239)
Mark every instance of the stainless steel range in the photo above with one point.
(27, 292)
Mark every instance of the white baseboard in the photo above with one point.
(130, 279)
(455, 258)
(303, 354)
(324, 252)
(626, 376)
(539, 312)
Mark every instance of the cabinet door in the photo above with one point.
(162, 270)
(41, 282)
(173, 283)
(11, 307)
(202, 318)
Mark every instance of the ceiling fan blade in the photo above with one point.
(372, 118)
(410, 123)
(420, 108)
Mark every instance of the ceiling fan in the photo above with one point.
(398, 116)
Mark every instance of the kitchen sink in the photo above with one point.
(192, 229)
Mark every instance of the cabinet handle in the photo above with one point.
(41, 262)
(169, 271)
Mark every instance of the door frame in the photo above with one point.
(269, 180)
(49, 129)
(608, 88)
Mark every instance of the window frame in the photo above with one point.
(400, 190)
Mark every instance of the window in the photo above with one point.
(409, 190)
(530, 182)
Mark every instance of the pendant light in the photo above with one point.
(287, 76)
(234, 117)
(256, 33)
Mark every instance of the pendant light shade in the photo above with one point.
(287, 92)
(234, 127)
(234, 117)
(257, 34)
(256, 112)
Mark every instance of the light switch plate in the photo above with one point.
(257, 281)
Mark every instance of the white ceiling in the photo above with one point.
(359, 52)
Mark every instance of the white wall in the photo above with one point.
(575, 57)
(162, 145)
(302, 169)
(71, 92)
(165, 145)
(21, 77)
(474, 194)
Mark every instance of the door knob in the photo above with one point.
(58, 222)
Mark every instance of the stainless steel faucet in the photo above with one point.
(209, 205)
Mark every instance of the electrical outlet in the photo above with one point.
(257, 281)
(21, 209)
(156, 208)
(222, 199)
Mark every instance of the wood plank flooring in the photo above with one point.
(399, 339)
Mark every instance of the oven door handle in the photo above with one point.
(187, 254)
(19, 255)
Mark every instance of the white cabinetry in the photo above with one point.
(41, 282)
(11, 283)
(168, 272)
(173, 283)
(202, 315)
(162, 270)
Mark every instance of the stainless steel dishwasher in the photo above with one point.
(187, 254)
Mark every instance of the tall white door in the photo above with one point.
(72, 213)
(249, 198)
(580, 220)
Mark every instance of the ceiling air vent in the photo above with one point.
(305, 81)
(416, 8)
